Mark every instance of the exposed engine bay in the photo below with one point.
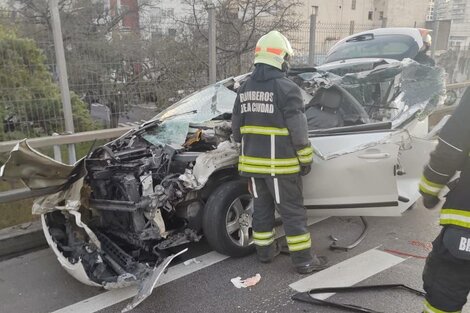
(137, 205)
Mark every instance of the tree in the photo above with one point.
(240, 23)
(103, 61)
(119, 68)
(29, 100)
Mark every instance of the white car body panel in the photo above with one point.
(352, 175)
(412, 32)
(368, 173)
(76, 270)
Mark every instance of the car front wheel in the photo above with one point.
(227, 219)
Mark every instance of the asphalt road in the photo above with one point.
(36, 283)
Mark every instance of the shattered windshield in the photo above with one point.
(199, 107)
(203, 105)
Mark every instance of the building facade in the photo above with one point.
(396, 13)
(160, 18)
(458, 12)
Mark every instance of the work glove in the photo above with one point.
(429, 201)
(305, 169)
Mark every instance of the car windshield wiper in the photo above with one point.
(180, 114)
(152, 123)
(363, 37)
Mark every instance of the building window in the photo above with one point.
(370, 15)
(381, 15)
(353, 5)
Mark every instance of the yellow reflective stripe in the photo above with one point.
(268, 170)
(262, 130)
(428, 187)
(298, 238)
(293, 247)
(308, 159)
(428, 308)
(425, 190)
(455, 217)
(305, 151)
(268, 162)
(430, 183)
(263, 235)
(263, 242)
(456, 212)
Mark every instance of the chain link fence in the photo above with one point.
(456, 62)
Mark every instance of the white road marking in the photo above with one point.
(109, 298)
(112, 297)
(349, 272)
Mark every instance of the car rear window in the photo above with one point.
(396, 47)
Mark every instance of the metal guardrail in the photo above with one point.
(458, 85)
(6, 146)
(25, 193)
(56, 141)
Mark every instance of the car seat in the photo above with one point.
(324, 110)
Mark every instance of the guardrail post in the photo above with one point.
(212, 44)
(351, 27)
(312, 33)
(62, 69)
(57, 152)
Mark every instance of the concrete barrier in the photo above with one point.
(21, 239)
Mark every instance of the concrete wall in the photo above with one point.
(407, 13)
(458, 11)
(338, 11)
(397, 12)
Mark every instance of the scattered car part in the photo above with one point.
(308, 297)
(147, 285)
(245, 283)
(355, 243)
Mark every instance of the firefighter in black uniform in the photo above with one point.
(446, 275)
(269, 121)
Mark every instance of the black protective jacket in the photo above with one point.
(452, 155)
(269, 121)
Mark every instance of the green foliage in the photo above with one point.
(29, 98)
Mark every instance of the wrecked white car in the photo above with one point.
(122, 210)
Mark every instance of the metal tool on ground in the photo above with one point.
(334, 245)
(308, 297)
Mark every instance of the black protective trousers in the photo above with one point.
(446, 279)
(285, 193)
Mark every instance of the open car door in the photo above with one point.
(359, 171)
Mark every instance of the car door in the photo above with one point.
(361, 173)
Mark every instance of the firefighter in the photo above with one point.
(268, 120)
(422, 57)
(446, 275)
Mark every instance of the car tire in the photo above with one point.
(229, 204)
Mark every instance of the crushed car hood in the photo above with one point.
(35, 169)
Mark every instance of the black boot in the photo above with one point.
(319, 263)
(266, 254)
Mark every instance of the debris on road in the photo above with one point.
(405, 254)
(148, 284)
(191, 261)
(309, 296)
(249, 282)
(425, 245)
